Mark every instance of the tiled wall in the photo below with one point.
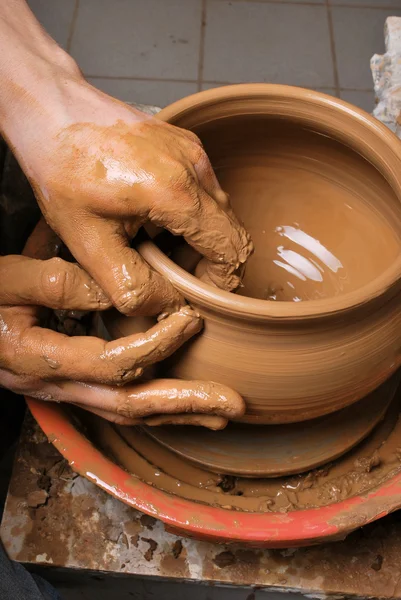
(155, 51)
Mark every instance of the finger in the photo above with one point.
(43, 243)
(206, 175)
(51, 392)
(139, 401)
(53, 283)
(208, 273)
(208, 229)
(46, 354)
(195, 399)
(213, 274)
(208, 180)
(102, 248)
(169, 396)
(209, 421)
(110, 416)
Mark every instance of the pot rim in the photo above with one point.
(309, 101)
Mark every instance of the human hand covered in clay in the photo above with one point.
(99, 170)
(88, 371)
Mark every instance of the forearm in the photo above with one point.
(33, 69)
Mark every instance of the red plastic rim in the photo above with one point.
(269, 530)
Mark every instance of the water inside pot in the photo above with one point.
(323, 220)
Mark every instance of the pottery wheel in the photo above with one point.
(277, 450)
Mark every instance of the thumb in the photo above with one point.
(133, 287)
(52, 283)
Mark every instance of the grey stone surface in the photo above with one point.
(362, 99)
(386, 71)
(141, 38)
(358, 33)
(253, 41)
(55, 16)
(145, 91)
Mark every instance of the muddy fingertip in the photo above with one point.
(247, 249)
(190, 312)
(99, 296)
(231, 403)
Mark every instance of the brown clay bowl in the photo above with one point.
(315, 178)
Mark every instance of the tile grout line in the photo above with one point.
(167, 80)
(72, 26)
(364, 6)
(344, 4)
(122, 78)
(363, 90)
(292, 2)
(333, 48)
(202, 44)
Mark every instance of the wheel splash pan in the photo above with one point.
(192, 519)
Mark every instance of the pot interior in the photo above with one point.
(324, 220)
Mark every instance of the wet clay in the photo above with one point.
(319, 186)
(86, 370)
(316, 211)
(147, 167)
(274, 450)
(371, 463)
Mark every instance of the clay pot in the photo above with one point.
(313, 178)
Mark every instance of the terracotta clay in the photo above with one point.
(85, 370)
(275, 450)
(369, 465)
(318, 183)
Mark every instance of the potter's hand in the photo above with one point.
(114, 168)
(100, 169)
(88, 371)
(108, 169)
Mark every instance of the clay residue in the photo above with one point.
(177, 548)
(37, 498)
(174, 561)
(277, 450)
(138, 160)
(360, 470)
(86, 370)
(151, 550)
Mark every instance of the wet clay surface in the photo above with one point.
(317, 212)
(371, 463)
(274, 450)
(82, 527)
(317, 325)
(68, 365)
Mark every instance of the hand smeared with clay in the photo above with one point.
(104, 170)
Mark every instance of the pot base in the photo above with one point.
(277, 450)
(362, 469)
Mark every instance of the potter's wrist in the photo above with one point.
(35, 114)
(36, 89)
(29, 59)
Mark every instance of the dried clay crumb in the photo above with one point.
(37, 498)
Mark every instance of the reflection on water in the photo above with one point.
(323, 221)
(312, 268)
